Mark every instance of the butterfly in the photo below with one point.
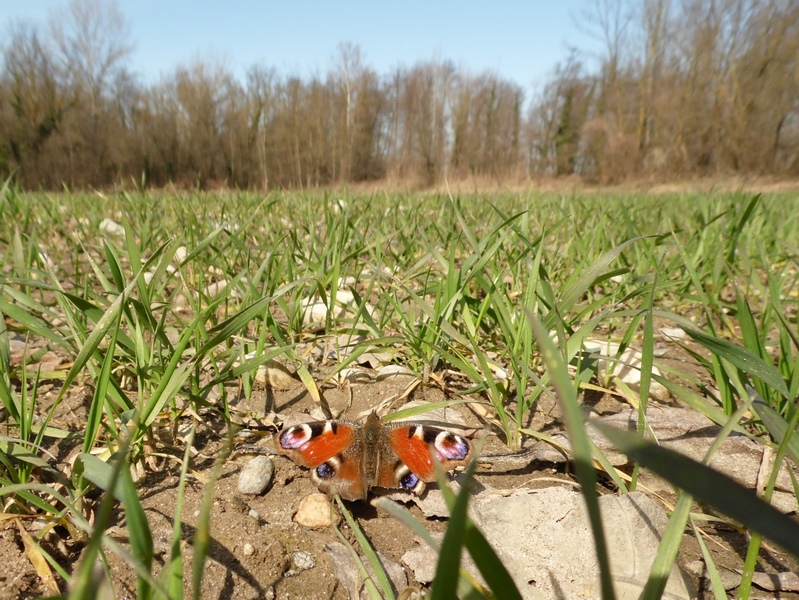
(349, 458)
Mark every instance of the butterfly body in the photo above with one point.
(350, 458)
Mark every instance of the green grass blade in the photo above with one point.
(404, 516)
(369, 553)
(172, 574)
(488, 562)
(116, 268)
(141, 540)
(667, 549)
(468, 535)
(118, 481)
(202, 534)
(103, 325)
(716, 585)
(31, 323)
(777, 427)
(750, 563)
(581, 447)
(234, 324)
(469, 587)
(575, 289)
(742, 358)
(737, 227)
(95, 415)
(445, 583)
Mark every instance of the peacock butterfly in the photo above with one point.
(350, 458)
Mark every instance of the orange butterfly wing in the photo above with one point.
(416, 444)
(312, 444)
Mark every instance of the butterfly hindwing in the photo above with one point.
(341, 475)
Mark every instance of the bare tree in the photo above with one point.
(693, 87)
(92, 39)
(261, 92)
(33, 105)
(655, 21)
(609, 21)
(204, 91)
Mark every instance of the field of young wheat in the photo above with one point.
(144, 336)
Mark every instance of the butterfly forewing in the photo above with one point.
(312, 444)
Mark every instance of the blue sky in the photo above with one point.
(520, 40)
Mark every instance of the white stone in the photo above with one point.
(675, 333)
(256, 475)
(302, 560)
(111, 227)
(626, 367)
(315, 311)
(275, 375)
(353, 375)
(214, 289)
(547, 531)
(314, 512)
(394, 372)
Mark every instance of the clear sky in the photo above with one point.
(520, 40)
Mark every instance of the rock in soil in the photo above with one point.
(314, 512)
(256, 475)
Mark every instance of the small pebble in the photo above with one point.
(111, 227)
(394, 371)
(254, 514)
(248, 550)
(256, 475)
(302, 560)
(17, 342)
(674, 333)
(275, 376)
(353, 376)
(314, 512)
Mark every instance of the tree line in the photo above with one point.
(682, 88)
